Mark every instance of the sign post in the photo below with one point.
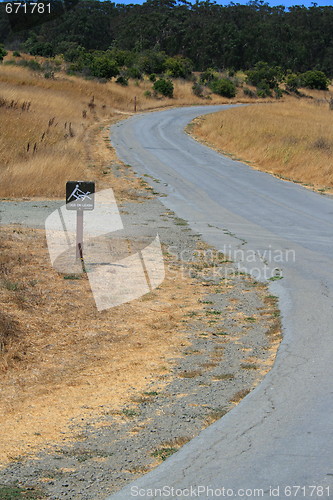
(80, 196)
(79, 234)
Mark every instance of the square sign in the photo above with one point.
(80, 195)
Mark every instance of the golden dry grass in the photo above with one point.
(62, 363)
(37, 157)
(291, 139)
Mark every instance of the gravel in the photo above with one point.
(199, 388)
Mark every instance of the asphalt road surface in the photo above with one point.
(278, 442)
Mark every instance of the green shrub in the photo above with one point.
(16, 54)
(134, 72)
(103, 67)
(263, 75)
(151, 61)
(32, 64)
(263, 90)
(293, 82)
(164, 87)
(122, 80)
(122, 57)
(152, 77)
(178, 67)
(278, 93)
(147, 93)
(38, 48)
(3, 52)
(71, 51)
(314, 80)
(223, 86)
(208, 76)
(49, 74)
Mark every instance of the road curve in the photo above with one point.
(281, 434)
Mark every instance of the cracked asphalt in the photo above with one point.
(281, 434)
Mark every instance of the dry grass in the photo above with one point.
(45, 145)
(216, 414)
(291, 139)
(62, 363)
(169, 448)
(238, 396)
(61, 369)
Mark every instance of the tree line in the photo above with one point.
(207, 34)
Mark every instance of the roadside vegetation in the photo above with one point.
(292, 139)
(48, 118)
(51, 108)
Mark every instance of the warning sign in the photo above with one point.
(80, 195)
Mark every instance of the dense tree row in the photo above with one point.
(210, 35)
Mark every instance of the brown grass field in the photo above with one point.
(46, 124)
(59, 368)
(292, 139)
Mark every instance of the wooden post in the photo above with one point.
(331, 103)
(79, 234)
(134, 104)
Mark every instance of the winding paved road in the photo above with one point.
(281, 434)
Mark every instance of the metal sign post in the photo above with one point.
(80, 196)
(79, 235)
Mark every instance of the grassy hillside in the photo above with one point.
(291, 139)
(47, 124)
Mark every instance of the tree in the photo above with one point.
(3, 52)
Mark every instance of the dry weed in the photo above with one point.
(291, 139)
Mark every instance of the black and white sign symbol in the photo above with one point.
(114, 278)
(80, 195)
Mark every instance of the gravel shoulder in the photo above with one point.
(230, 342)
